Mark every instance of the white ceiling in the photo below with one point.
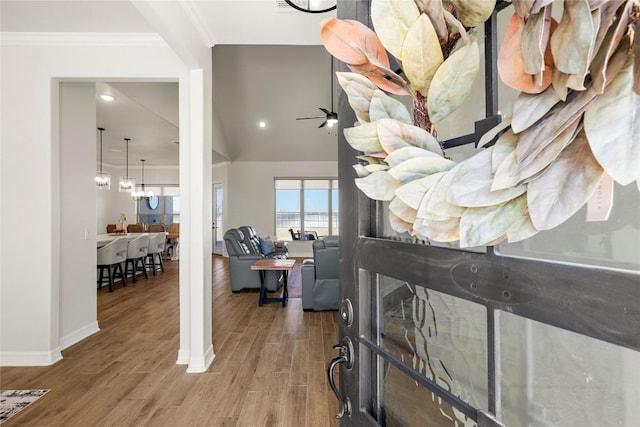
(267, 65)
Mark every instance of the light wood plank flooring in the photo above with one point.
(269, 368)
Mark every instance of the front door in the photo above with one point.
(545, 332)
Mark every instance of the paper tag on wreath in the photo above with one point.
(600, 204)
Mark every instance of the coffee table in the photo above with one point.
(275, 264)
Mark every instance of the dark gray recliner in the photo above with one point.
(320, 276)
(240, 260)
(252, 240)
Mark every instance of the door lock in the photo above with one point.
(346, 312)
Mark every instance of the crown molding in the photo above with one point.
(200, 25)
(80, 39)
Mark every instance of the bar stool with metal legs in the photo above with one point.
(155, 252)
(136, 253)
(110, 259)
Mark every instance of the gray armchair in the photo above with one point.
(320, 276)
(252, 241)
(240, 260)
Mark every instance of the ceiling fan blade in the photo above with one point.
(324, 110)
(323, 124)
(308, 118)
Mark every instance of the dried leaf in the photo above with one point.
(473, 12)
(522, 229)
(428, 183)
(523, 7)
(392, 20)
(471, 184)
(490, 135)
(413, 192)
(607, 15)
(504, 146)
(447, 230)
(565, 186)
(572, 41)
(351, 41)
(605, 53)
(421, 54)
(485, 226)
(385, 107)
(612, 124)
(538, 5)
(435, 11)
(511, 61)
(453, 82)
(403, 154)
(535, 41)
(377, 77)
(528, 109)
(378, 185)
(364, 138)
(359, 91)
(399, 225)
(438, 204)
(394, 134)
(402, 211)
(559, 81)
(376, 168)
(361, 171)
(420, 167)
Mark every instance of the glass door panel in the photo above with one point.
(218, 225)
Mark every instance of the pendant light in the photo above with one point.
(127, 184)
(142, 194)
(103, 179)
(332, 117)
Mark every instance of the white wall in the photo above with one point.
(78, 314)
(251, 198)
(30, 227)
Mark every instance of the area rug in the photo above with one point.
(294, 280)
(14, 401)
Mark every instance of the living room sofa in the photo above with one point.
(320, 276)
(240, 260)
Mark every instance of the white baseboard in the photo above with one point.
(30, 358)
(201, 364)
(183, 357)
(78, 335)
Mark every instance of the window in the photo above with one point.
(306, 209)
(168, 210)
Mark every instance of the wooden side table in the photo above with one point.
(275, 264)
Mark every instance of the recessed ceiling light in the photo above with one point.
(262, 124)
(107, 97)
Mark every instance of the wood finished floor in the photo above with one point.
(269, 368)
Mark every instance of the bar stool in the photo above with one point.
(113, 254)
(136, 253)
(156, 249)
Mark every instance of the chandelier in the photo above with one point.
(127, 184)
(103, 179)
(142, 194)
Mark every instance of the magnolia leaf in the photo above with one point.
(535, 41)
(473, 12)
(392, 20)
(378, 185)
(484, 226)
(399, 225)
(528, 109)
(522, 229)
(565, 186)
(511, 61)
(453, 82)
(377, 77)
(572, 41)
(538, 5)
(385, 107)
(402, 210)
(421, 54)
(359, 91)
(612, 125)
(523, 7)
(364, 138)
(471, 184)
(371, 159)
(504, 146)
(610, 43)
(447, 230)
(351, 41)
(394, 134)
(435, 11)
(559, 82)
(491, 134)
(407, 153)
(376, 168)
(438, 204)
(456, 26)
(413, 192)
(429, 183)
(419, 167)
(361, 171)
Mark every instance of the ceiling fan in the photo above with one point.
(330, 117)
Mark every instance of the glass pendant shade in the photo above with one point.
(127, 184)
(103, 179)
(142, 194)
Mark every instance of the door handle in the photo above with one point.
(346, 357)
